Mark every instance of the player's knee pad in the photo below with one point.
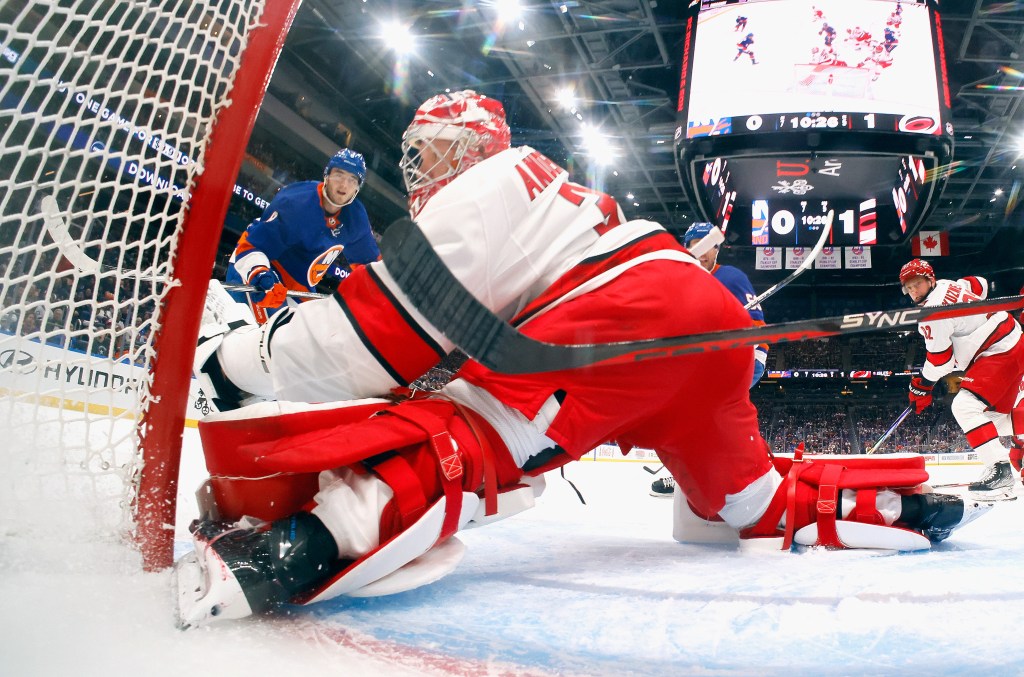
(808, 505)
(422, 448)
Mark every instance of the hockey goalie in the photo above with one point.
(365, 494)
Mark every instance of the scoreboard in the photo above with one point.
(790, 109)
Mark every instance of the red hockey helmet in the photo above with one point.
(473, 123)
(915, 268)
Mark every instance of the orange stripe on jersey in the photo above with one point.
(385, 328)
(244, 246)
(289, 281)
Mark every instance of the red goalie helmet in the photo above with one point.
(473, 124)
(916, 268)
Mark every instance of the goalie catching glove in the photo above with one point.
(920, 394)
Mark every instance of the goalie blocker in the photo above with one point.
(264, 541)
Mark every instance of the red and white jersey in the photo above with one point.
(514, 223)
(507, 229)
(955, 343)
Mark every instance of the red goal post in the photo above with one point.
(134, 117)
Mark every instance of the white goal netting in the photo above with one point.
(106, 112)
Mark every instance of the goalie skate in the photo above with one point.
(206, 588)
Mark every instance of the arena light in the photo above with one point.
(566, 98)
(397, 37)
(597, 145)
(509, 11)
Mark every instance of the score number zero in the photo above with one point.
(783, 221)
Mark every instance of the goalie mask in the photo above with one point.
(449, 134)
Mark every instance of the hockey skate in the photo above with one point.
(235, 572)
(936, 516)
(996, 484)
(664, 487)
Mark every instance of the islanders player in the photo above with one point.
(301, 234)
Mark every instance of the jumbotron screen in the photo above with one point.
(800, 65)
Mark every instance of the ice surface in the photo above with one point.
(566, 588)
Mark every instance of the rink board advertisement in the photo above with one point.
(74, 380)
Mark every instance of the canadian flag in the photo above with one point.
(930, 243)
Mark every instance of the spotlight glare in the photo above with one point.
(396, 37)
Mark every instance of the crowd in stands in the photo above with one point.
(876, 352)
(854, 426)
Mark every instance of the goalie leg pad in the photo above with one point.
(432, 453)
(812, 494)
(233, 441)
(224, 317)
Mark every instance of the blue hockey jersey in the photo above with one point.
(300, 242)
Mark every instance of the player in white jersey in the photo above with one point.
(989, 349)
(364, 497)
(508, 225)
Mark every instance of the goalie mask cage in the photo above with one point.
(133, 117)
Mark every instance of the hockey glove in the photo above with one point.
(271, 292)
(920, 394)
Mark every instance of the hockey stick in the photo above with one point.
(891, 430)
(291, 293)
(807, 262)
(435, 292)
(69, 247)
(655, 471)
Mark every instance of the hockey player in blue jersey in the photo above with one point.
(301, 234)
(737, 282)
(745, 47)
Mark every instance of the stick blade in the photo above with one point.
(55, 225)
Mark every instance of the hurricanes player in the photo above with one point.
(395, 479)
(989, 348)
(301, 234)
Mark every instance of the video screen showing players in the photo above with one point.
(869, 62)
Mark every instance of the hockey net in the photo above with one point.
(123, 126)
(832, 80)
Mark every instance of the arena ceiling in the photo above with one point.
(621, 61)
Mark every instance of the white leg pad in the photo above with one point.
(871, 536)
(689, 528)
(415, 541)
